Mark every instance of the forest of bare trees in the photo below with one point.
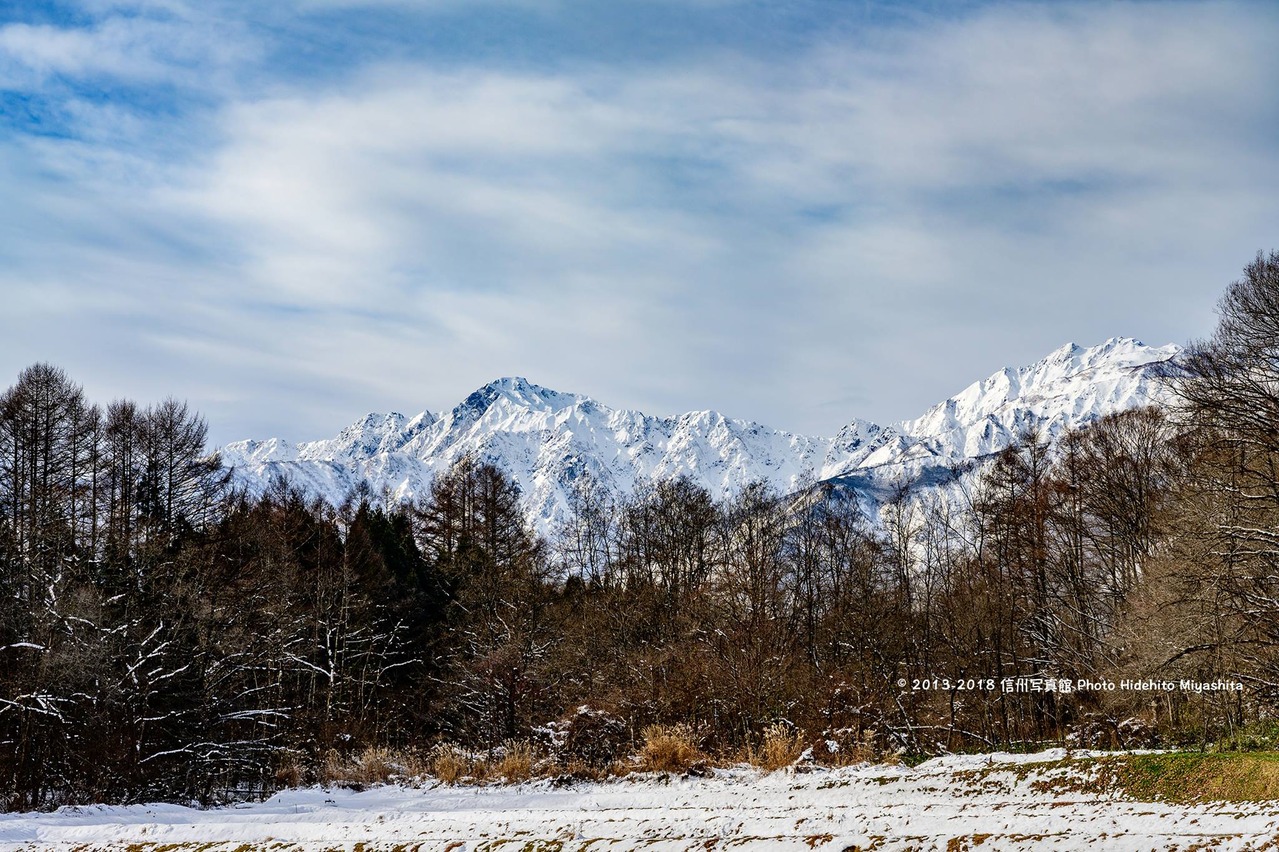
(165, 636)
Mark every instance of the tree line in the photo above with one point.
(164, 635)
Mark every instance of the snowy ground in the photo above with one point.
(953, 803)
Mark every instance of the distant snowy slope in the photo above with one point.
(1071, 387)
(545, 439)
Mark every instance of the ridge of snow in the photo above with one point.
(1069, 388)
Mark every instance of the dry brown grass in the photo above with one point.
(517, 762)
(291, 773)
(452, 764)
(374, 765)
(781, 746)
(582, 771)
(670, 748)
(666, 748)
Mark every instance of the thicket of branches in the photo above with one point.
(163, 636)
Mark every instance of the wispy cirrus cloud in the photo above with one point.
(168, 46)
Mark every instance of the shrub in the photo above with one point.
(374, 765)
(290, 773)
(516, 761)
(782, 746)
(1104, 732)
(591, 737)
(670, 748)
(450, 763)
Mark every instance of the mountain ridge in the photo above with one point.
(545, 439)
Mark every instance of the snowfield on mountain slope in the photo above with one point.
(958, 802)
(545, 440)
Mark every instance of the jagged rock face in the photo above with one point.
(545, 439)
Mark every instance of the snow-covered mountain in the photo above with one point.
(546, 439)
(1070, 388)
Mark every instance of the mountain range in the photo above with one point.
(545, 439)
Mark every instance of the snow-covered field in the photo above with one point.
(952, 803)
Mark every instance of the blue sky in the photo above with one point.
(293, 213)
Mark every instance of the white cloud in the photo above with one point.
(487, 182)
(884, 219)
(179, 45)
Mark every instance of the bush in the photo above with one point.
(670, 748)
(782, 746)
(450, 763)
(1262, 735)
(516, 761)
(372, 766)
(290, 773)
(592, 738)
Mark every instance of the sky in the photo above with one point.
(797, 212)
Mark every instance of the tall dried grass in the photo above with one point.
(374, 765)
(782, 746)
(670, 748)
(452, 764)
(517, 762)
